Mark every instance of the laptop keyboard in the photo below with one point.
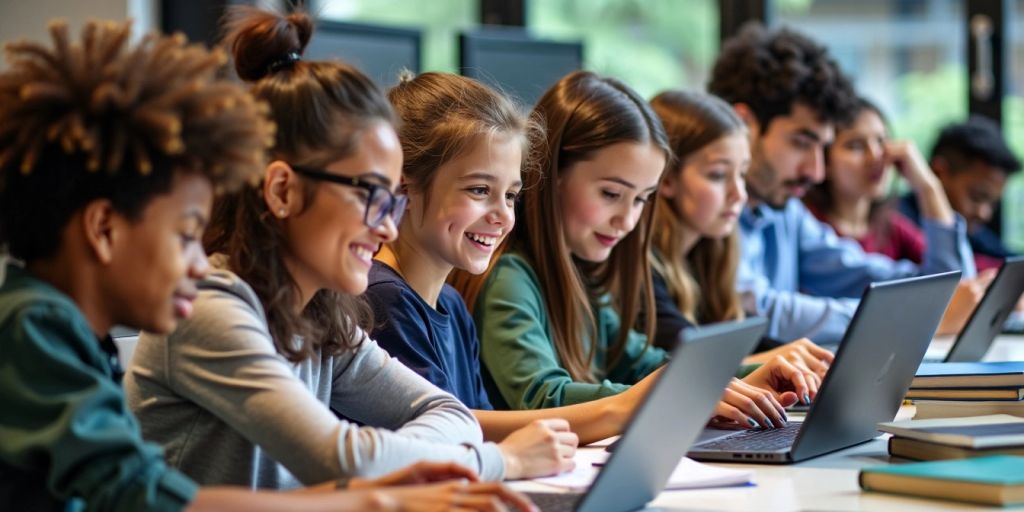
(756, 440)
(555, 501)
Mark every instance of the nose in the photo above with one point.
(876, 152)
(198, 264)
(813, 166)
(985, 211)
(737, 192)
(387, 231)
(502, 214)
(626, 218)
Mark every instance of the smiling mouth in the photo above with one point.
(363, 253)
(486, 241)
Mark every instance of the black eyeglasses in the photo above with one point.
(380, 204)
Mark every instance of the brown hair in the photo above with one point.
(701, 281)
(100, 118)
(320, 108)
(584, 113)
(442, 114)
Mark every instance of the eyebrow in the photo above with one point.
(376, 177)
(624, 183)
(488, 177)
(807, 132)
(198, 216)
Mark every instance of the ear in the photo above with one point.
(940, 166)
(282, 190)
(747, 116)
(667, 186)
(101, 226)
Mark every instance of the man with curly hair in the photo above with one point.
(794, 269)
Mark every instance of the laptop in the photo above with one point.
(872, 370)
(988, 318)
(666, 422)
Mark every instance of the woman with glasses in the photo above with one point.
(249, 390)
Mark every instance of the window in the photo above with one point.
(652, 45)
(440, 21)
(1013, 126)
(907, 56)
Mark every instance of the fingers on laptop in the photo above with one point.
(752, 407)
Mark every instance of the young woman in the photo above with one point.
(853, 200)
(464, 148)
(696, 245)
(109, 157)
(555, 313)
(243, 392)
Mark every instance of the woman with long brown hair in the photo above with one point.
(696, 244)
(557, 310)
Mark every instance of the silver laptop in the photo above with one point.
(869, 377)
(666, 422)
(988, 318)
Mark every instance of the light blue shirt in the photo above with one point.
(807, 280)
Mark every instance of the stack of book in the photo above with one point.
(960, 383)
(956, 438)
(997, 480)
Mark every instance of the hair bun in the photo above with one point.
(258, 38)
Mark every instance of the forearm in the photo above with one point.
(934, 204)
(591, 421)
(226, 499)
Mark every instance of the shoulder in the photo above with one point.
(226, 312)
(387, 288)
(31, 311)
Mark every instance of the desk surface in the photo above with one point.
(823, 483)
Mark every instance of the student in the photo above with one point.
(794, 269)
(554, 312)
(695, 244)
(109, 157)
(973, 162)
(242, 392)
(853, 197)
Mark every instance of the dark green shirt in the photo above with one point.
(67, 439)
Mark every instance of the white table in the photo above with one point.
(823, 483)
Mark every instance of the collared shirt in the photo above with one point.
(67, 439)
(807, 281)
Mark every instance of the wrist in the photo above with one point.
(513, 466)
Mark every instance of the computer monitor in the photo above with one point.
(516, 63)
(380, 52)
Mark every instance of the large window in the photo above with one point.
(1013, 126)
(652, 45)
(440, 21)
(907, 56)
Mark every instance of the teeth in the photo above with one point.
(489, 241)
(363, 252)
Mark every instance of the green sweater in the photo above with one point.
(520, 363)
(67, 439)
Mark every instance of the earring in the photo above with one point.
(281, 213)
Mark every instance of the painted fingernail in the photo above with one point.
(807, 399)
(785, 418)
(768, 423)
(752, 422)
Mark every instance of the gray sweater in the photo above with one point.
(229, 410)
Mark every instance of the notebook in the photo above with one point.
(1001, 374)
(997, 430)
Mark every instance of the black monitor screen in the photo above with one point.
(380, 52)
(516, 63)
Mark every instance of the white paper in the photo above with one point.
(689, 474)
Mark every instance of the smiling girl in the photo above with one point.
(555, 313)
(465, 150)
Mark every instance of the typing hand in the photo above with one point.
(787, 382)
(745, 406)
(803, 353)
(420, 473)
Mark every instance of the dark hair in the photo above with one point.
(320, 108)
(584, 113)
(700, 280)
(978, 139)
(770, 71)
(101, 119)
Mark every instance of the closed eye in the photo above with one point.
(480, 191)
(608, 194)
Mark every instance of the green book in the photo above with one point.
(996, 480)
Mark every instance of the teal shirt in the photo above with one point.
(67, 439)
(521, 368)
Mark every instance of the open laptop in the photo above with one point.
(666, 422)
(869, 377)
(990, 315)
